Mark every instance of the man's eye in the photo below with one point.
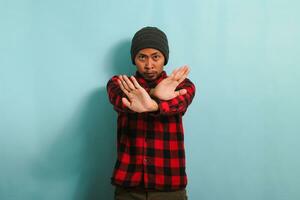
(141, 57)
(156, 57)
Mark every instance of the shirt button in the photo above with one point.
(145, 160)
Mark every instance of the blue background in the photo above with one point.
(58, 131)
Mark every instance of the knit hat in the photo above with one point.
(149, 37)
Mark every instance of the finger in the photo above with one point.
(180, 72)
(126, 102)
(124, 83)
(185, 75)
(184, 72)
(182, 78)
(122, 88)
(121, 81)
(180, 92)
(136, 84)
(128, 82)
(186, 69)
(174, 72)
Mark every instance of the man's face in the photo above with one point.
(150, 63)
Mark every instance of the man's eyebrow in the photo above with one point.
(155, 53)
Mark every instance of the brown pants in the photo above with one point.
(130, 194)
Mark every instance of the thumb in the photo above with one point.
(180, 92)
(126, 102)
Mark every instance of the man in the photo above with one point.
(150, 137)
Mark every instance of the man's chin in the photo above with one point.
(150, 77)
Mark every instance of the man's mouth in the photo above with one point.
(150, 74)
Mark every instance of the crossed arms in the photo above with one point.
(171, 96)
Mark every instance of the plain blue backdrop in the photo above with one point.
(58, 130)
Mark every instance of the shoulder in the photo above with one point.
(113, 78)
(112, 81)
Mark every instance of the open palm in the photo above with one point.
(138, 99)
(165, 90)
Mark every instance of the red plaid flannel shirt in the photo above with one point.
(150, 146)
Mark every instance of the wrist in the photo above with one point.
(154, 106)
(151, 92)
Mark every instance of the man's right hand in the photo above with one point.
(138, 100)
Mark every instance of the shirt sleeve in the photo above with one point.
(115, 95)
(179, 104)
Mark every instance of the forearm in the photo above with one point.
(154, 107)
(177, 105)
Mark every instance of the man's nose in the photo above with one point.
(149, 64)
